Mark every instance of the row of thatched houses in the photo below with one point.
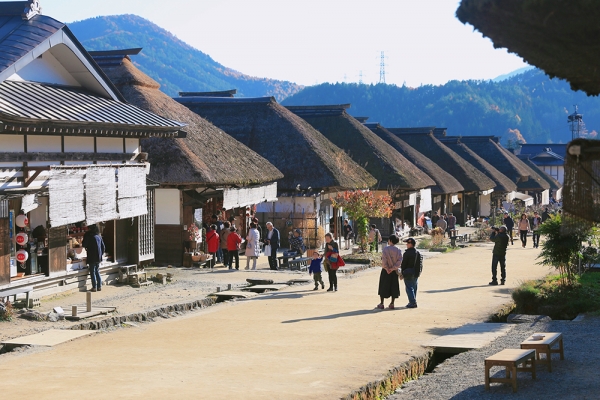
(87, 138)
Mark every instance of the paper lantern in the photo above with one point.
(22, 256)
(21, 239)
(21, 221)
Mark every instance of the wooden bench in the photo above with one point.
(300, 264)
(282, 261)
(510, 359)
(544, 346)
(16, 291)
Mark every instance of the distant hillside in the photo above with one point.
(513, 73)
(174, 64)
(528, 104)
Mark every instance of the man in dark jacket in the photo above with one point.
(500, 239)
(411, 269)
(510, 224)
(272, 239)
(94, 246)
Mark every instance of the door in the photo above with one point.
(145, 231)
(57, 250)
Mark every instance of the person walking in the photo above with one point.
(252, 246)
(442, 224)
(510, 225)
(524, 229)
(315, 270)
(258, 227)
(500, 239)
(348, 234)
(412, 264)
(389, 283)
(545, 215)
(233, 247)
(435, 219)
(332, 254)
(374, 238)
(537, 221)
(213, 244)
(451, 225)
(94, 246)
(272, 240)
(223, 239)
(215, 220)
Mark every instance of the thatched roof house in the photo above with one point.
(426, 143)
(391, 169)
(503, 183)
(444, 182)
(559, 37)
(303, 154)
(206, 157)
(506, 162)
(554, 184)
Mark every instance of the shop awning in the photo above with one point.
(528, 200)
(233, 198)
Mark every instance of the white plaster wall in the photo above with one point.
(168, 207)
(109, 145)
(132, 146)
(74, 144)
(11, 143)
(43, 144)
(45, 69)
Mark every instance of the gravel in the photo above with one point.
(462, 376)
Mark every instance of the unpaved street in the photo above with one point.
(294, 344)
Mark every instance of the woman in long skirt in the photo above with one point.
(389, 285)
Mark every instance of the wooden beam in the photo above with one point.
(38, 157)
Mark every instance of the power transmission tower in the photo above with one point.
(576, 123)
(382, 68)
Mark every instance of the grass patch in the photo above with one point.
(549, 297)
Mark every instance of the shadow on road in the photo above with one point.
(456, 289)
(341, 315)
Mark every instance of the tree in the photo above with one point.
(360, 205)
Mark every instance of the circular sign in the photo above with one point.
(21, 239)
(21, 221)
(22, 256)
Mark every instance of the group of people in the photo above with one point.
(525, 226)
(446, 222)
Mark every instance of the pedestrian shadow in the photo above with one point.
(340, 315)
(454, 289)
(440, 331)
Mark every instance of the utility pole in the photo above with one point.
(382, 68)
(360, 81)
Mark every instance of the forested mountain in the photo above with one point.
(176, 65)
(528, 104)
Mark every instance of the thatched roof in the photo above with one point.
(506, 162)
(303, 154)
(391, 169)
(554, 184)
(207, 156)
(558, 36)
(503, 183)
(469, 177)
(444, 182)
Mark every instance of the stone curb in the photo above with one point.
(407, 371)
(146, 316)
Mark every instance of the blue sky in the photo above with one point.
(316, 41)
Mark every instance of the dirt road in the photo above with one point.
(295, 344)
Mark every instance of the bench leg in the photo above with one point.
(27, 300)
(487, 376)
(514, 377)
(561, 349)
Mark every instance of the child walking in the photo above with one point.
(315, 270)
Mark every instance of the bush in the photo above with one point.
(6, 311)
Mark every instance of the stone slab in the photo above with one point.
(264, 288)
(469, 336)
(48, 338)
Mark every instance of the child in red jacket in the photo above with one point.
(212, 244)
(233, 248)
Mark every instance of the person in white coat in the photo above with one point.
(252, 246)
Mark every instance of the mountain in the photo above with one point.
(176, 65)
(513, 73)
(528, 105)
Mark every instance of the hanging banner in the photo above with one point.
(66, 196)
(455, 199)
(132, 192)
(29, 203)
(412, 199)
(234, 198)
(425, 203)
(100, 195)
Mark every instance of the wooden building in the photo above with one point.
(70, 156)
(201, 174)
(313, 168)
(475, 183)
(395, 175)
